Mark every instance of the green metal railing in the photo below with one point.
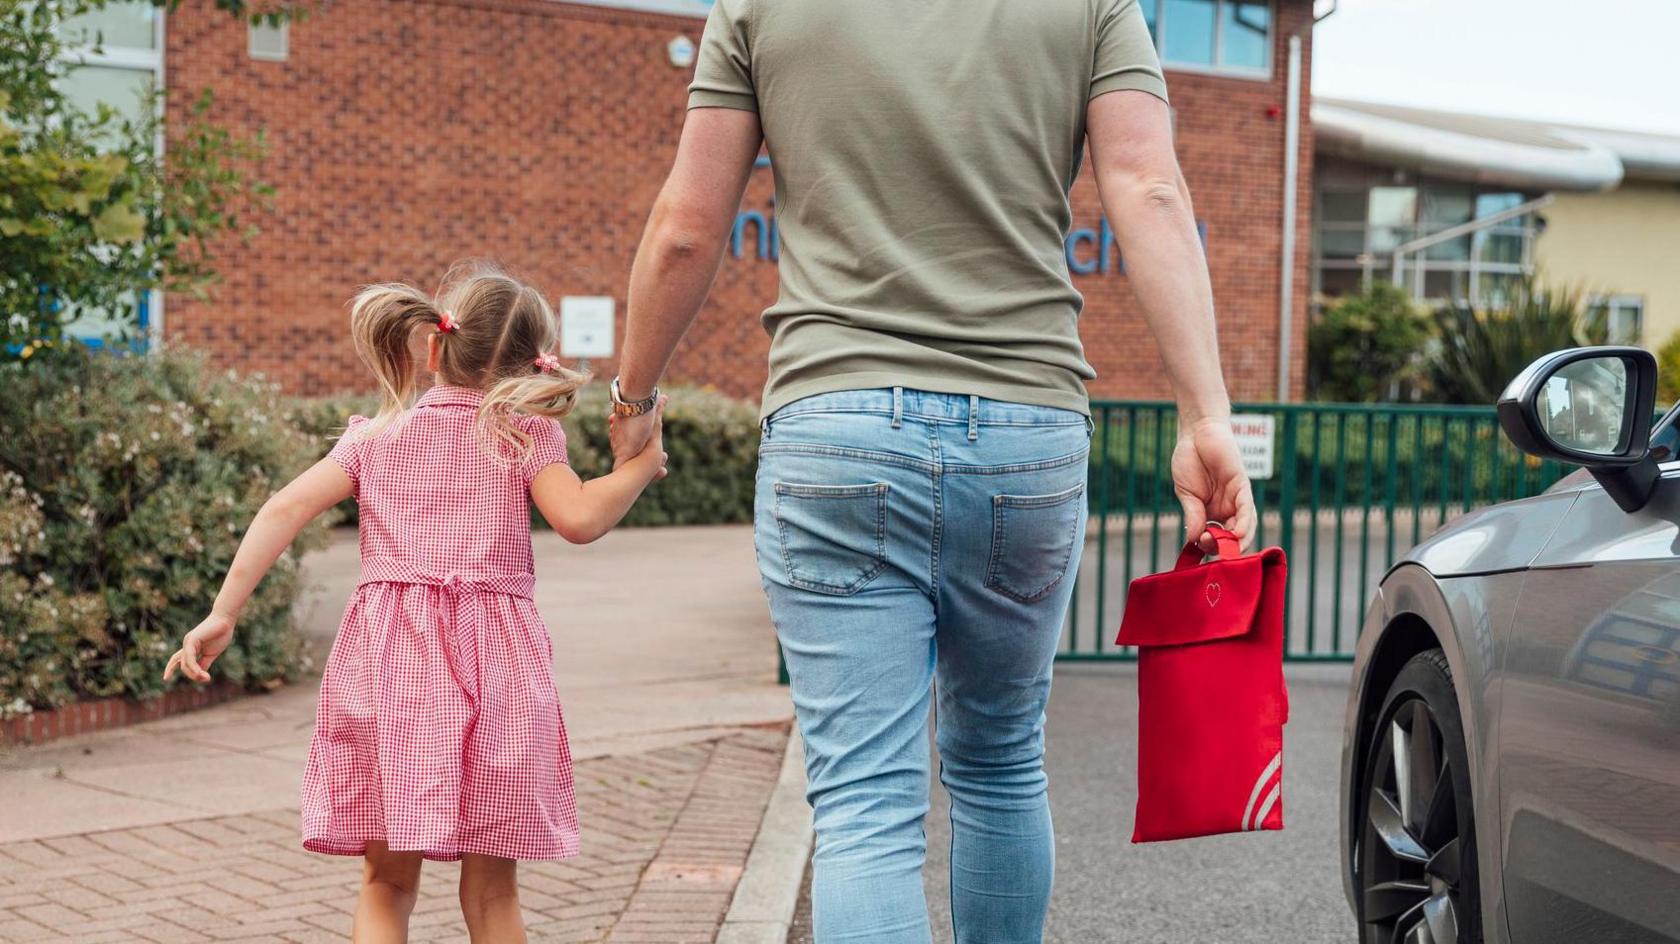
(1353, 487)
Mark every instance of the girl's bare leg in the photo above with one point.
(490, 899)
(390, 885)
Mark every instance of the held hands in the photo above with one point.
(1208, 477)
(631, 436)
(200, 648)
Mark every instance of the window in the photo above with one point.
(1359, 220)
(1219, 35)
(1624, 316)
(118, 62)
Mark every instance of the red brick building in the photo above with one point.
(404, 134)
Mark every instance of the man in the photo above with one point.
(920, 506)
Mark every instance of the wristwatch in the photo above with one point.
(633, 407)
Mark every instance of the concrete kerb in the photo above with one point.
(762, 909)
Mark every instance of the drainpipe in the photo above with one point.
(1291, 191)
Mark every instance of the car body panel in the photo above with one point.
(1520, 597)
(1502, 537)
(1589, 734)
(1485, 604)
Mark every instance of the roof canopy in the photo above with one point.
(1503, 151)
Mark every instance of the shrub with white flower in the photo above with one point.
(125, 485)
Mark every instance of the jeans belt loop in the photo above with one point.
(898, 407)
(973, 417)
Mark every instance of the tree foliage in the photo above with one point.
(91, 214)
(1365, 346)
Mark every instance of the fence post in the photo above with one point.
(1286, 501)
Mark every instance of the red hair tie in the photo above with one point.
(447, 323)
(547, 362)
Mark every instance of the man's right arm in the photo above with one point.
(1148, 205)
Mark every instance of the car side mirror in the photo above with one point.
(1592, 407)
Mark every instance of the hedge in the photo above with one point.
(125, 484)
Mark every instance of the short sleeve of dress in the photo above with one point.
(347, 452)
(1125, 56)
(548, 445)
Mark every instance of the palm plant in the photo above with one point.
(1479, 350)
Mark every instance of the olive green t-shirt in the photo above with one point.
(922, 152)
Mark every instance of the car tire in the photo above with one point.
(1415, 847)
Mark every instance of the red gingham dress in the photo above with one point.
(439, 729)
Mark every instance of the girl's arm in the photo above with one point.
(270, 533)
(583, 511)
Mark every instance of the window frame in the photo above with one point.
(137, 59)
(1374, 264)
(1612, 302)
(1216, 68)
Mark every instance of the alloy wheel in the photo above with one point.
(1410, 849)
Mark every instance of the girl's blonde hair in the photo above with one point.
(500, 330)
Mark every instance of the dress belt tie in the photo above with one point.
(386, 570)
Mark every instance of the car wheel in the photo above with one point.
(1417, 842)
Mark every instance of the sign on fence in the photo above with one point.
(1255, 442)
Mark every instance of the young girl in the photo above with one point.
(439, 733)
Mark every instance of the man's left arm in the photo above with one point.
(680, 252)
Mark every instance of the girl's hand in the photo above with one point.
(200, 648)
(656, 442)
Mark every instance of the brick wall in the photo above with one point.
(405, 134)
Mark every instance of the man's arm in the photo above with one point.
(680, 252)
(1148, 204)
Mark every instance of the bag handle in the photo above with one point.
(1229, 547)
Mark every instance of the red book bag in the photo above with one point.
(1211, 697)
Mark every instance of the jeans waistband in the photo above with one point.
(960, 408)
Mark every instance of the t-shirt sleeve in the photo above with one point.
(1125, 56)
(723, 70)
(548, 446)
(347, 452)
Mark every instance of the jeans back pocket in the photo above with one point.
(1032, 542)
(834, 537)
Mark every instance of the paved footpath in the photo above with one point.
(186, 829)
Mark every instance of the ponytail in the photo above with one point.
(382, 320)
(548, 393)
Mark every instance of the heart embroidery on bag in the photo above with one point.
(1213, 594)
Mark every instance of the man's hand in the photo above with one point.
(200, 648)
(1208, 476)
(630, 435)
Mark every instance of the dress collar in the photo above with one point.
(449, 395)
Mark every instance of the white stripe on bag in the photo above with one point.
(1260, 784)
(1266, 807)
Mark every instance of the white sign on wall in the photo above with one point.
(1255, 441)
(586, 326)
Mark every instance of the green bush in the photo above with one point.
(125, 485)
(1482, 349)
(712, 440)
(1668, 370)
(1366, 346)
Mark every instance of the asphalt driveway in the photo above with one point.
(1241, 889)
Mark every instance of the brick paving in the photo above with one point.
(666, 833)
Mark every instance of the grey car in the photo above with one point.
(1511, 757)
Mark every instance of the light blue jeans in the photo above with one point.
(908, 538)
